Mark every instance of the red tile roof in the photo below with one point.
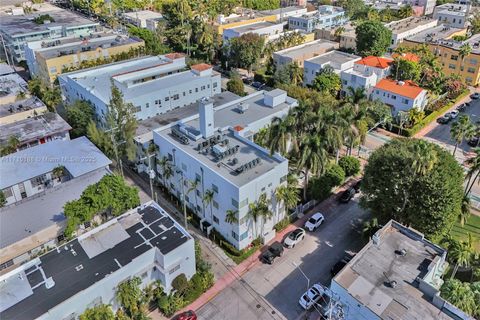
(238, 128)
(201, 67)
(407, 56)
(376, 62)
(406, 88)
(174, 55)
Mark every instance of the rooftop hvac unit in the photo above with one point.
(242, 107)
(234, 161)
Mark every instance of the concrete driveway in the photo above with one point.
(272, 292)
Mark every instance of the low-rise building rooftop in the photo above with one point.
(404, 88)
(305, 48)
(252, 27)
(19, 110)
(404, 25)
(334, 57)
(5, 69)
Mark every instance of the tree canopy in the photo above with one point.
(235, 85)
(79, 114)
(373, 38)
(100, 312)
(245, 51)
(416, 183)
(327, 81)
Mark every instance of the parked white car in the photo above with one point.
(314, 222)
(453, 114)
(294, 237)
(312, 296)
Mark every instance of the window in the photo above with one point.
(202, 88)
(283, 179)
(196, 89)
(53, 69)
(235, 203)
(184, 167)
(147, 105)
(473, 61)
(214, 84)
(214, 188)
(174, 269)
(184, 93)
(138, 108)
(176, 97)
(454, 57)
(244, 235)
(8, 192)
(263, 189)
(167, 98)
(234, 235)
(243, 203)
(197, 177)
(215, 219)
(198, 193)
(471, 70)
(404, 101)
(394, 97)
(451, 66)
(215, 204)
(37, 181)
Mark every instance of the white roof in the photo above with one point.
(78, 156)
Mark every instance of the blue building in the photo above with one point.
(325, 17)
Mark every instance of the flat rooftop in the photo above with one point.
(24, 24)
(79, 156)
(323, 10)
(452, 9)
(27, 104)
(5, 69)
(87, 260)
(335, 56)
(143, 15)
(309, 47)
(253, 27)
(145, 127)
(410, 23)
(367, 276)
(12, 84)
(68, 46)
(98, 80)
(279, 11)
(32, 129)
(229, 119)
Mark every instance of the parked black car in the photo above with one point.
(337, 267)
(258, 85)
(443, 120)
(357, 185)
(274, 251)
(347, 195)
(473, 142)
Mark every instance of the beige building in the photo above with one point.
(48, 59)
(344, 35)
(300, 53)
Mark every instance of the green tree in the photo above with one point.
(427, 199)
(373, 38)
(406, 70)
(231, 216)
(463, 295)
(154, 41)
(235, 85)
(350, 165)
(180, 284)
(473, 164)
(79, 115)
(259, 210)
(353, 8)
(193, 185)
(261, 4)
(128, 294)
(370, 227)
(100, 312)
(475, 22)
(3, 199)
(461, 130)
(11, 146)
(313, 158)
(327, 81)
(405, 12)
(208, 201)
(245, 51)
(288, 195)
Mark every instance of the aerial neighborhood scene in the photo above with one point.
(239, 159)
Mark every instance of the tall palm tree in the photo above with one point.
(12, 145)
(313, 158)
(231, 216)
(167, 170)
(193, 185)
(258, 210)
(462, 253)
(425, 157)
(465, 210)
(355, 95)
(370, 227)
(473, 170)
(296, 73)
(208, 201)
(288, 196)
(465, 50)
(461, 130)
(281, 134)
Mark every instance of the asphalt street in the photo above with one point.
(273, 291)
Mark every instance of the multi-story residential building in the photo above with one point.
(46, 59)
(13, 87)
(154, 85)
(300, 53)
(325, 17)
(18, 30)
(337, 60)
(426, 5)
(238, 20)
(214, 148)
(36, 183)
(36, 130)
(147, 19)
(285, 12)
(82, 273)
(408, 27)
(440, 42)
(453, 14)
(397, 275)
(347, 37)
(400, 95)
(266, 29)
(366, 73)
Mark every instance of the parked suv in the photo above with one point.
(274, 251)
(347, 195)
(314, 222)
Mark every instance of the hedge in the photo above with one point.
(410, 132)
(350, 165)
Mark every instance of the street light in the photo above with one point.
(308, 280)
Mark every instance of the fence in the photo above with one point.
(302, 208)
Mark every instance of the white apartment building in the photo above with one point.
(408, 27)
(325, 17)
(266, 29)
(400, 95)
(397, 275)
(147, 19)
(214, 148)
(285, 12)
(18, 30)
(337, 60)
(145, 242)
(453, 14)
(366, 73)
(300, 53)
(154, 84)
(36, 190)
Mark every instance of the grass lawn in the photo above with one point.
(472, 226)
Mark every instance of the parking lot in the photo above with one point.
(273, 291)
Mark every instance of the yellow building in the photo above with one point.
(238, 21)
(46, 60)
(440, 41)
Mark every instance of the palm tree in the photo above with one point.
(465, 50)
(58, 171)
(231, 216)
(193, 187)
(338, 32)
(461, 295)
(11, 146)
(259, 209)
(167, 170)
(473, 170)
(313, 157)
(370, 227)
(460, 130)
(296, 73)
(288, 195)
(281, 134)
(425, 157)
(208, 201)
(461, 252)
(465, 210)
(355, 95)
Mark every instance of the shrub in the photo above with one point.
(257, 242)
(235, 85)
(320, 188)
(350, 165)
(282, 224)
(335, 175)
(180, 284)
